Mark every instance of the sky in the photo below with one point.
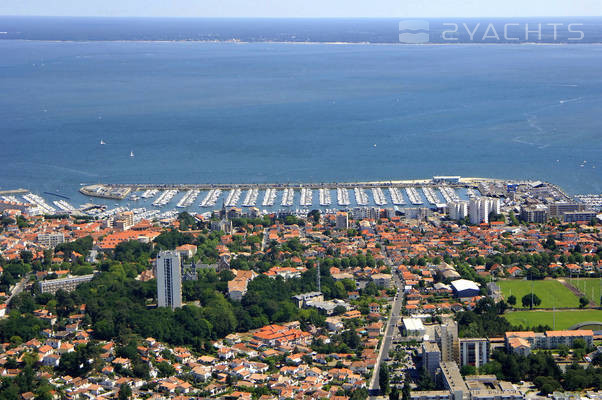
(304, 8)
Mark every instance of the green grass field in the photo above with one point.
(564, 319)
(551, 293)
(588, 286)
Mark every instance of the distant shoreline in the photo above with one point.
(240, 42)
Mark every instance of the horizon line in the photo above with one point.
(288, 17)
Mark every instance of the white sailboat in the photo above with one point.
(102, 141)
(131, 154)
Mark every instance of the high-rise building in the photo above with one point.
(480, 208)
(478, 211)
(495, 205)
(446, 336)
(457, 209)
(474, 351)
(169, 279)
(431, 357)
(342, 221)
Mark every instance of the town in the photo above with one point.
(494, 297)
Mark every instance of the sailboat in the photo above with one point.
(131, 154)
(102, 141)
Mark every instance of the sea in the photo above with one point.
(238, 101)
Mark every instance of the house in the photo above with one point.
(187, 250)
(514, 271)
(51, 360)
(201, 373)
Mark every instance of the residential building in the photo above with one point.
(169, 279)
(365, 213)
(558, 209)
(457, 209)
(453, 381)
(68, 284)
(523, 342)
(382, 280)
(480, 208)
(446, 336)
(342, 220)
(124, 221)
(304, 298)
(537, 214)
(578, 216)
(51, 240)
(431, 357)
(474, 351)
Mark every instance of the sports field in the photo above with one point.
(552, 293)
(564, 319)
(588, 286)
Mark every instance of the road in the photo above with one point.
(18, 288)
(374, 388)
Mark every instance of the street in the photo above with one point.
(374, 387)
(18, 288)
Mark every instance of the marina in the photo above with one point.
(379, 196)
(324, 195)
(449, 194)
(361, 198)
(269, 198)
(343, 197)
(396, 196)
(282, 197)
(430, 195)
(251, 198)
(10, 198)
(164, 198)
(413, 196)
(288, 196)
(40, 203)
(185, 197)
(150, 193)
(188, 198)
(306, 197)
(63, 205)
(591, 200)
(233, 198)
(211, 198)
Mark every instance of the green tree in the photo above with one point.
(512, 300)
(383, 379)
(468, 370)
(165, 369)
(394, 395)
(530, 300)
(406, 391)
(583, 302)
(315, 215)
(125, 392)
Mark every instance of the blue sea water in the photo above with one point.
(291, 112)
